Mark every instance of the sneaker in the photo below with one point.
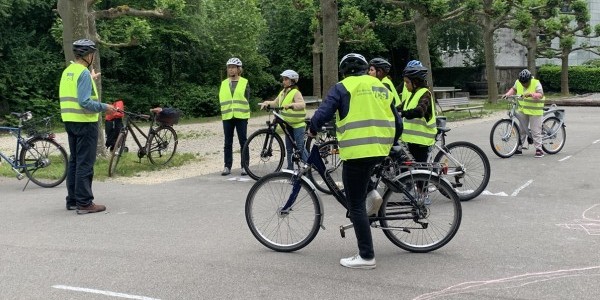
(539, 153)
(90, 209)
(226, 171)
(357, 262)
(71, 207)
(518, 152)
(373, 202)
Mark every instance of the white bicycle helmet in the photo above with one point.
(234, 61)
(291, 74)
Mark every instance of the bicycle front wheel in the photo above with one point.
(468, 168)
(162, 145)
(554, 135)
(283, 231)
(331, 158)
(116, 153)
(426, 224)
(504, 138)
(262, 154)
(45, 162)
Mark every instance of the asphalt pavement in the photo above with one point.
(533, 234)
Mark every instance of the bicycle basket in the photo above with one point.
(168, 116)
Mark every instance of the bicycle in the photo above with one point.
(329, 152)
(39, 156)
(160, 145)
(505, 136)
(420, 212)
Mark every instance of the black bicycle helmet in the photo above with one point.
(380, 63)
(83, 47)
(412, 72)
(525, 76)
(353, 64)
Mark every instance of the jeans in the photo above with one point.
(241, 127)
(356, 176)
(535, 124)
(298, 134)
(419, 152)
(83, 139)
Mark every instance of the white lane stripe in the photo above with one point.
(501, 194)
(107, 293)
(595, 142)
(516, 192)
(565, 158)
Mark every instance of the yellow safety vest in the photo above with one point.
(368, 129)
(70, 110)
(293, 117)
(234, 105)
(405, 95)
(392, 89)
(419, 131)
(528, 105)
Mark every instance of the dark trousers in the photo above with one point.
(83, 139)
(241, 127)
(419, 152)
(111, 131)
(356, 177)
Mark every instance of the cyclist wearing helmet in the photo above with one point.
(79, 110)
(294, 113)
(366, 122)
(405, 93)
(530, 110)
(418, 113)
(379, 67)
(235, 110)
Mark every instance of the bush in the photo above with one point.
(582, 79)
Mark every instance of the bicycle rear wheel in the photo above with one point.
(262, 154)
(277, 230)
(504, 138)
(116, 153)
(45, 162)
(162, 145)
(426, 225)
(331, 157)
(470, 175)
(554, 135)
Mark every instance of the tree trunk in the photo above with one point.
(532, 49)
(422, 32)
(316, 59)
(564, 73)
(330, 43)
(490, 59)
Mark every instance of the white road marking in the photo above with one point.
(516, 192)
(239, 179)
(501, 194)
(565, 158)
(101, 292)
(596, 141)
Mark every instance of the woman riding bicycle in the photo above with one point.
(294, 113)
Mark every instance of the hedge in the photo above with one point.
(582, 79)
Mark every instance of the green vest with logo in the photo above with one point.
(234, 105)
(368, 128)
(528, 105)
(419, 130)
(392, 89)
(70, 110)
(293, 117)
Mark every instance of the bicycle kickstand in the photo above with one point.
(343, 229)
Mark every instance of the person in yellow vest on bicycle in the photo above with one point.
(79, 110)
(367, 126)
(530, 110)
(294, 113)
(235, 110)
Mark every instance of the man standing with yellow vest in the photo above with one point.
(235, 110)
(79, 109)
(367, 126)
(530, 111)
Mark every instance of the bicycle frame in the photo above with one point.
(272, 126)
(13, 160)
(130, 126)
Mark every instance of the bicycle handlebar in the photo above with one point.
(132, 114)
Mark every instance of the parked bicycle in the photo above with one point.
(505, 136)
(160, 140)
(420, 212)
(39, 156)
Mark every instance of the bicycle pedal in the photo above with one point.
(20, 176)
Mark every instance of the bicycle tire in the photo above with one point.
(443, 215)
(554, 143)
(331, 158)
(44, 161)
(277, 231)
(259, 161)
(504, 138)
(161, 145)
(476, 164)
(116, 153)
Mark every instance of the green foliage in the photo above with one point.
(582, 79)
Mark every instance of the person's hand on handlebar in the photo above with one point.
(264, 105)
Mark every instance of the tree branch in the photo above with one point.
(122, 10)
(524, 44)
(396, 24)
(453, 14)
(132, 42)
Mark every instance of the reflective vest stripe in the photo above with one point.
(365, 123)
(418, 133)
(367, 141)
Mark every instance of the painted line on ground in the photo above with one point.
(101, 292)
(516, 192)
(565, 158)
(501, 194)
(596, 141)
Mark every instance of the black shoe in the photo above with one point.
(244, 172)
(226, 171)
(71, 207)
(518, 152)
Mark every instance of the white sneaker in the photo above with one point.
(373, 202)
(357, 262)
